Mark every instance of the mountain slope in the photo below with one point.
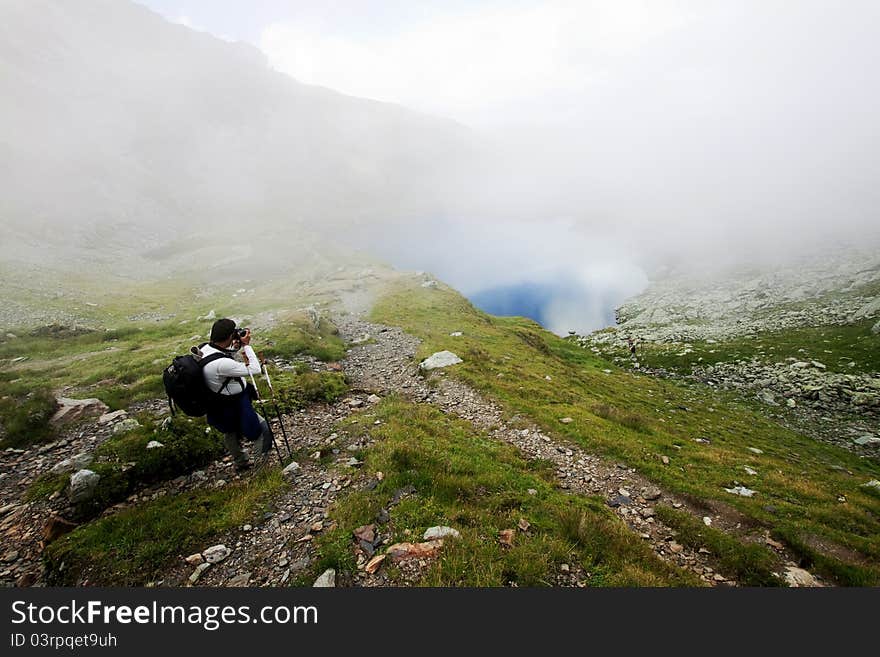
(120, 131)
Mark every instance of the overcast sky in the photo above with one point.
(729, 127)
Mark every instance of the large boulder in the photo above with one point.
(71, 410)
(83, 484)
(440, 359)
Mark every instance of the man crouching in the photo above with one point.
(233, 414)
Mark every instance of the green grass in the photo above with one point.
(296, 391)
(799, 480)
(298, 336)
(25, 411)
(748, 563)
(847, 349)
(468, 481)
(134, 546)
(119, 366)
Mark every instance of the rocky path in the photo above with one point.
(275, 549)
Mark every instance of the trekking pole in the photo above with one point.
(275, 404)
(268, 424)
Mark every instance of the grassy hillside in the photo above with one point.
(692, 442)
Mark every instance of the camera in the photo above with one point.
(241, 332)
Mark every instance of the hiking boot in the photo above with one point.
(243, 467)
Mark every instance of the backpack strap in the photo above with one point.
(217, 356)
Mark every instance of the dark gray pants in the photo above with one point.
(260, 447)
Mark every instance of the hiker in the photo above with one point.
(632, 347)
(234, 415)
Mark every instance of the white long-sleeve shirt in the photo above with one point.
(218, 371)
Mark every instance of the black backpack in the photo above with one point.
(186, 387)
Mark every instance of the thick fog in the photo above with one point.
(628, 134)
(560, 153)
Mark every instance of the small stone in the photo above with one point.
(566, 420)
(197, 573)
(440, 359)
(505, 537)
(326, 580)
(675, 548)
(216, 553)
(365, 533)
(107, 418)
(374, 399)
(239, 581)
(750, 471)
(290, 469)
(532, 491)
(664, 459)
(195, 559)
(619, 500)
(564, 567)
(651, 493)
(440, 531)
(154, 444)
(707, 521)
(247, 528)
(374, 563)
(755, 450)
(523, 524)
(647, 512)
(401, 551)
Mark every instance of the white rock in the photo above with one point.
(798, 577)
(326, 580)
(441, 531)
(875, 484)
(216, 553)
(374, 399)
(290, 469)
(867, 439)
(211, 315)
(83, 484)
(755, 450)
(750, 471)
(742, 491)
(125, 426)
(154, 444)
(456, 334)
(440, 359)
